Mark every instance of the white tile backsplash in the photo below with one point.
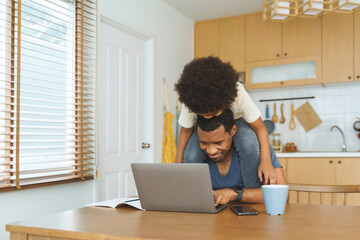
(336, 104)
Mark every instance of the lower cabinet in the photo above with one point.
(284, 165)
(323, 171)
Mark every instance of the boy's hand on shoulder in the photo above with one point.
(267, 170)
(223, 196)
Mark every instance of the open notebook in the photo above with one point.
(118, 202)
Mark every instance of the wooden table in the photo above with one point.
(299, 222)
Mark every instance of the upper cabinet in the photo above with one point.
(223, 38)
(283, 72)
(357, 46)
(301, 37)
(263, 39)
(319, 50)
(232, 42)
(207, 39)
(338, 47)
(282, 55)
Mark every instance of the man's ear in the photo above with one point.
(233, 130)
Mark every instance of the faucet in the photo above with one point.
(343, 137)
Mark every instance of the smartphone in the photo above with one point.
(244, 210)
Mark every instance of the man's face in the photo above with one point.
(217, 143)
(210, 114)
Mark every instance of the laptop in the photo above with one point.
(175, 187)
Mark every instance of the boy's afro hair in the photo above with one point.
(207, 85)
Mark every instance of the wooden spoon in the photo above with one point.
(282, 119)
(274, 117)
(292, 124)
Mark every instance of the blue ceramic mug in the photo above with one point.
(275, 197)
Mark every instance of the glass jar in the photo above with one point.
(276, 140)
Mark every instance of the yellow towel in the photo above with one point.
(169, 148)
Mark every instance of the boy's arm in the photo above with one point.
(184, 136)
(265, 167)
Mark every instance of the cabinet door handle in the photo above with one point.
(349, 77)
(281, 83)
(285, 54)
(339, 162)
(277, 55)
(330, 161)
(358, 76)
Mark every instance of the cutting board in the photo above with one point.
(307, 117)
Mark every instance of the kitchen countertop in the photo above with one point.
(317, 154)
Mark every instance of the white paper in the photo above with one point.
(118, 202)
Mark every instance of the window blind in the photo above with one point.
(47, 91)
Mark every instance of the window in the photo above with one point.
(47, 91)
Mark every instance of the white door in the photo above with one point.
(121, 104)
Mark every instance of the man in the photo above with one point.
(227, 172)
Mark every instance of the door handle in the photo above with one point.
(145, 145)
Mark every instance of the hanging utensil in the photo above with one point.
(274, 117)
(268, 123)
(356, 125)
(292, 125)
(282, 119)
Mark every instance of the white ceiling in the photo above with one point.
(199, 10)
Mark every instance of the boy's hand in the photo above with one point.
(223, 196)
(266, 169)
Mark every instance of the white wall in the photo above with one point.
(173, 49)
(174, 46)
(336, 104)
(30, 203)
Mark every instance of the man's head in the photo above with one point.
(215, 134)
(207, 86)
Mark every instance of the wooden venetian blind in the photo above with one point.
(47, 91)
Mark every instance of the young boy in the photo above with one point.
(207, 87)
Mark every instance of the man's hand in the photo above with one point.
(223, 196)
(266, 169)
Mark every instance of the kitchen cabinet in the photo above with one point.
(232, 42)
(263, 39)
(348, 173)
(357, 46)
(282, 55)
(283, 72)
(301, 37)
(206, 39)
(284, 165)
(338, 47)
(311, 170)
(224, 38)
(331, 41)
(324, 171)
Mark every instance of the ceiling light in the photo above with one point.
(348, 6)
(284, 10)
(280, 10)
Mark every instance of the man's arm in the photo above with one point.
(223, 196)
(265, 160)
(184, 136)
(255, 195)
